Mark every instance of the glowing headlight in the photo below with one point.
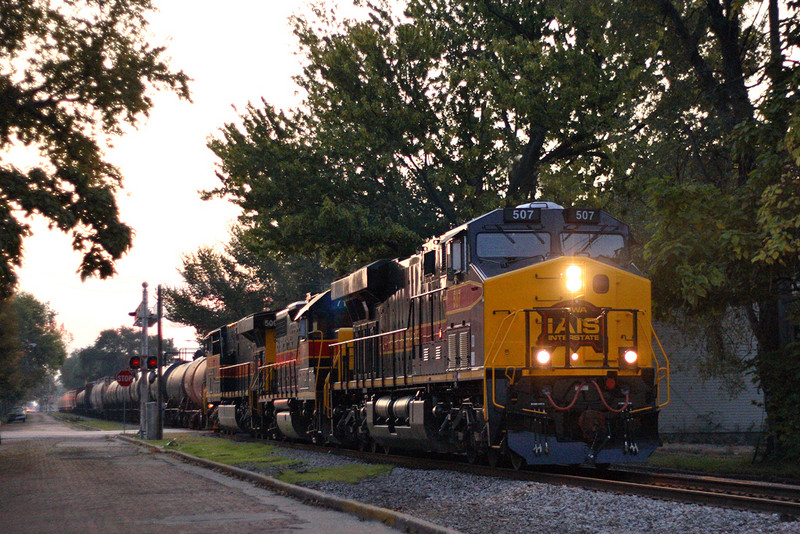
(574, 356)
(630, 357)
(543, 357)
(574, 278)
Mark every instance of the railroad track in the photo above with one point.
(719, 491)
(754, 496)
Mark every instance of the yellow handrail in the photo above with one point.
(661, 372)
(492, 358)
(326, 395)
(336, 363)
(666, 369)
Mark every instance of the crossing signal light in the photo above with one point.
(152, 362)
(135, 362)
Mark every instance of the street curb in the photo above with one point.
(391, 518)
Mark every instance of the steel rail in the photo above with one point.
(722, 492)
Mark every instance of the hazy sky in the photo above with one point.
(236, 51)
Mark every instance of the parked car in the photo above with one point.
(17, 414)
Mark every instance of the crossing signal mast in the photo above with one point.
(144, 319)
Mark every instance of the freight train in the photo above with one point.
(183, 390)
(523, 336)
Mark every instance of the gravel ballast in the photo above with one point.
(478, 504)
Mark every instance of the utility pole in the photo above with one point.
(143, 318)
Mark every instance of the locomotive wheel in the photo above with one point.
(472, 454)
(517, 461)
(473, 449)
(493, 455)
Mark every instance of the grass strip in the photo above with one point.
(88, 423)
(721, 464)
(262, 456)
(351, 473)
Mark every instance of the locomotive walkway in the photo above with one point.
(57, 480)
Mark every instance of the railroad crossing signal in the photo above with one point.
(152, 362)
(135, 362)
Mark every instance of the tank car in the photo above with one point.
(96, 397)
(184, 392)
(82, 399)
(66, 402)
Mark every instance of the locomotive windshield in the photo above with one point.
(512, 245)
(593, 245)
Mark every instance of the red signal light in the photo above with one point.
(135, 362)
(152, 362)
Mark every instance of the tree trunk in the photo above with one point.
(765, 325)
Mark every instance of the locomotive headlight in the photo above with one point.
(574, 277)
(628, 358)
(543, 357)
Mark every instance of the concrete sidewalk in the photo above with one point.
(88, 482)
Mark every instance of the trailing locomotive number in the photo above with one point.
(522, 215)
(581, 216)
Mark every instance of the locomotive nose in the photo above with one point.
(592, 424)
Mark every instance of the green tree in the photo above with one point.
(222, 287)
(713, 163)
(679, 113)
(110, 353)
(70, 74)
(33, 347)
(413, 125)
(10, 355)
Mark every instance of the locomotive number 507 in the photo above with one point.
(512, 215)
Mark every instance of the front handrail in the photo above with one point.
(365, 338)
(511, 314)
(240, 373)
(226, 367)
(352, 342)
(662, 372)
(271, 369)
(666, 369)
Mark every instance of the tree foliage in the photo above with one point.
(10, 356)
(32, 346)
(222, 287)
(704, 151)
(411, 125)
(71, 73)
(681, 114)
(779, 369)
(109, 354)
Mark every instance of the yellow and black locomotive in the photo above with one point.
(524, 334)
